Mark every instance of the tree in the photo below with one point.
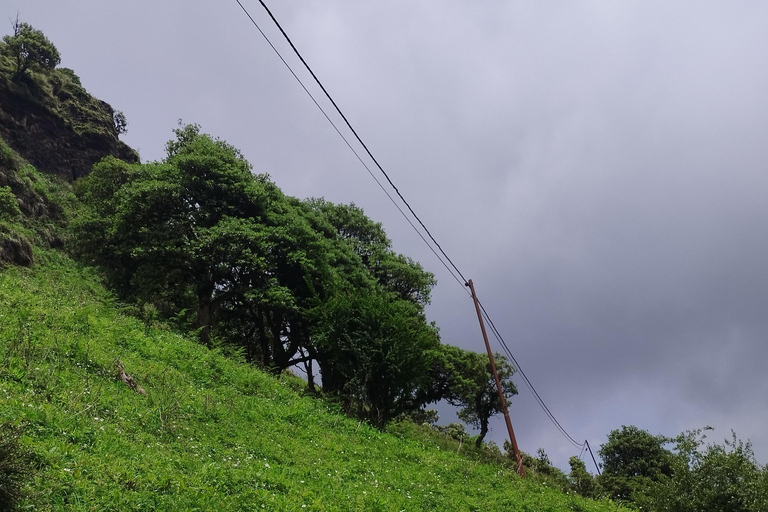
(30, 46)
(581, 480)
(470, 385)
(191, 232)
(395, 272)
(715, 478)
(375, 351)
(633, 460)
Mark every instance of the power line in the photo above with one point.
(346, 141)
(527, 381)
(597, 466)
(453, 270)
(360, 140)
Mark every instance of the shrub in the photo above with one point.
(9, 206)
(15, 467)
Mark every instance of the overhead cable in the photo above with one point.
(527, 381)
(360, 140)
(346, 141)
(446, 261)
(597, 466)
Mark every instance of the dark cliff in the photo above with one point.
(49, 119)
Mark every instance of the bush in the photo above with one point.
(15, 467)
(9, 206)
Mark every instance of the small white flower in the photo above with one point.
(266, 465)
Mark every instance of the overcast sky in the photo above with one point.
(599, 169)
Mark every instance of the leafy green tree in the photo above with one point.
(368, 269)
(633, 460)
(375, 352)
(30, 46)
(190, 232)
(395, 272)
(469, 384)
(581, 480)
(715, 478)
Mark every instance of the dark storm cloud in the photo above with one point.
(598, 169)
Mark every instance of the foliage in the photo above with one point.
(15, 467)
(29, 46)
(633, 460)
(211, 433)
(394, 272)
(376, 351)
(190, 232)
(31, 209)
(469, 384)
(456, 431)
(582, 481)
(9, 206)
(715, 478)
(283, 279)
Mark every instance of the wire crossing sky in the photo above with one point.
(496, 333)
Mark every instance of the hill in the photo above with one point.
(211, 433)
(106, 407)
(49, 119)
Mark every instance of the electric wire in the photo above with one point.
(360, 140)
(597, 466)
(453, 270)
(346, 141)
(527, 381)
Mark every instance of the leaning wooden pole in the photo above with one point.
(520, 469)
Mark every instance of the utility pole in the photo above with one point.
(520, 469)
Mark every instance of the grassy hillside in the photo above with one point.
(211, 433)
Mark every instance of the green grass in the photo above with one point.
(212, 433)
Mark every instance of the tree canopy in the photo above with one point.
(206, 241)
(633, 460)
(29, 46)
(470, 385)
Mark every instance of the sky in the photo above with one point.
(597, 168)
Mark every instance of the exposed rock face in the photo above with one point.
(53, 123)
(15, 251)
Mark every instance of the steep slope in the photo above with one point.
(210, 433)
(30, 209)
(51, 121)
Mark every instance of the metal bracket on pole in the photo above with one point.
(520, 469)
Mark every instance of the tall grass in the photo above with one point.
(211, 433)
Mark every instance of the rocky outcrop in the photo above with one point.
(53, 123)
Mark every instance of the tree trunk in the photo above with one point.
(204, 310)
(483, 432)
